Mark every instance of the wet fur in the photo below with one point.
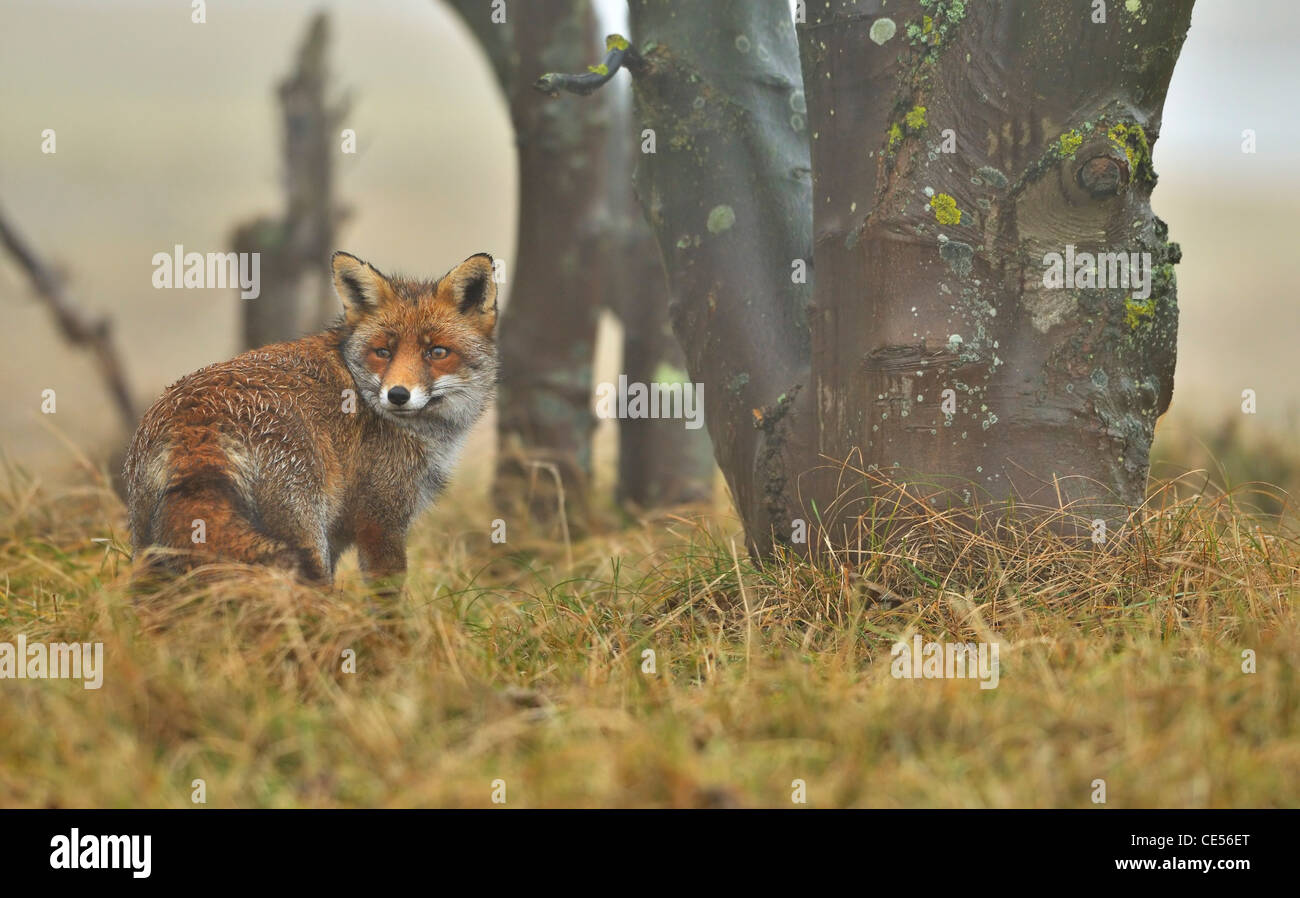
(260, 449)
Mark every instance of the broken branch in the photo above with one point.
(77, 328)
(618, 53)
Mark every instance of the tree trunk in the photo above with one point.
(311, 140)
(548, 327)
(957, 146)
(660, 461)
(968, 159)
(296, 295)
(273, 316)
(727, 194)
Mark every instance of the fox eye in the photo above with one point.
(437, 352)
(382, 352)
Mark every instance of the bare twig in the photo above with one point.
(77, 327)
(554, 471)
(618, 54)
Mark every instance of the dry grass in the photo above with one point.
(509, 662)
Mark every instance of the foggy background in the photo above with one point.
(169, 132)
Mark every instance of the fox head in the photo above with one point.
(420, 352)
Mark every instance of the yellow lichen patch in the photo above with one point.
(1137, 313)
(914, 120)
(945, 209)
(1069, 143)
(1133, 141)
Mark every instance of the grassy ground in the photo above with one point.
(524, 663)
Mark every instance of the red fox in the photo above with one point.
(289, 454)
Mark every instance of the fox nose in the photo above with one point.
(398, 395)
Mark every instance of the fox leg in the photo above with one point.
(382, 552)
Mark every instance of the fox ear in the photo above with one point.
(359, 285)
(471, 286)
